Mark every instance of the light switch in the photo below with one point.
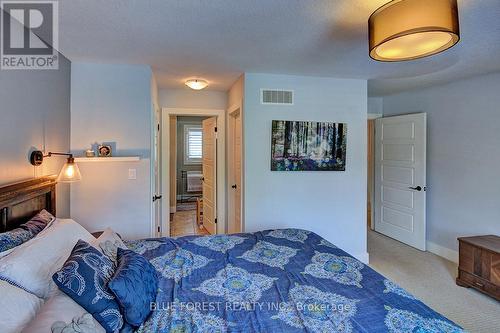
(132, 174)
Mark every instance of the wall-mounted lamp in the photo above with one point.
(70, 172)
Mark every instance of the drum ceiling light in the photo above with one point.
(197, 84)
(412, 29)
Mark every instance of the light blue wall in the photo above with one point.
(463, 156)
(35, 114)
(375, 106)
(112, 103)
(332, 204)
(193, 99)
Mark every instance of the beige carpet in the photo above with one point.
(432, 279)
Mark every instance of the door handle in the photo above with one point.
(202, 179)
(157, 197)
(418, 188)
(234, 186)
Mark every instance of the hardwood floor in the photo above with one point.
(184, 224)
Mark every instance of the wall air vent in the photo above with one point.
(276, 96)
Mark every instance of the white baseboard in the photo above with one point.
(372, 116)
(173, 209)
(444, 252)
(364, 257)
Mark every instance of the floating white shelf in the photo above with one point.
(107, 159)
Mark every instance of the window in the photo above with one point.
(193, 136)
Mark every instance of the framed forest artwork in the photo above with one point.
(308, 146)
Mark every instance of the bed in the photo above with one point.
(285, 280)
(275, 281)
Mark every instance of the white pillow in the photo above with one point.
(109, 234)
(59, 307)
(108, 244)
(31, 265)
(4, 253)
(18, 308)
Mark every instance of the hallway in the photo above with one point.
(184, 224)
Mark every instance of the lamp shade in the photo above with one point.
(411, 29)
(70, 172)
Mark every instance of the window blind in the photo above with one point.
(194, 143)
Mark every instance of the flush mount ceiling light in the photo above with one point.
(197, 84)
(412, 29)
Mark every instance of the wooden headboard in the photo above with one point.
(21, 201)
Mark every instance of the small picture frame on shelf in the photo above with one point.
(104, 151)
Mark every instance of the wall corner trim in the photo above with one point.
(363, 257)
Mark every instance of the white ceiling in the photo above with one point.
(220, 39)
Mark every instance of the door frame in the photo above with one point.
(156, 152)
(371, 168)
(371, 171)
(230, 205)
(221, 213)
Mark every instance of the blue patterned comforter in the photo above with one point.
(275, 281)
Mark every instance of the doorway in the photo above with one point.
(187, 138)
(194, 171)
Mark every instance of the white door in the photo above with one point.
(400, 178)
(209, 174)
(235, 174)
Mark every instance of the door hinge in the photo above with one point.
(215, 220)
(216, 130)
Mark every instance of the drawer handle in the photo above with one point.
(479, 284)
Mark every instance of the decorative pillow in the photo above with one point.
(18, 308)
(13, 238)
(31, 265)
(58, 308)
(25, 232)
(85, 277)
(38, 222)
(135, 285)
(108, 243)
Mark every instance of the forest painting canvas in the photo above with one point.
(308, 146)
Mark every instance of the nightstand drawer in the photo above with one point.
(472, 280)
(480, 284)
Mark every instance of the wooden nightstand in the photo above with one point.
(479, 265)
